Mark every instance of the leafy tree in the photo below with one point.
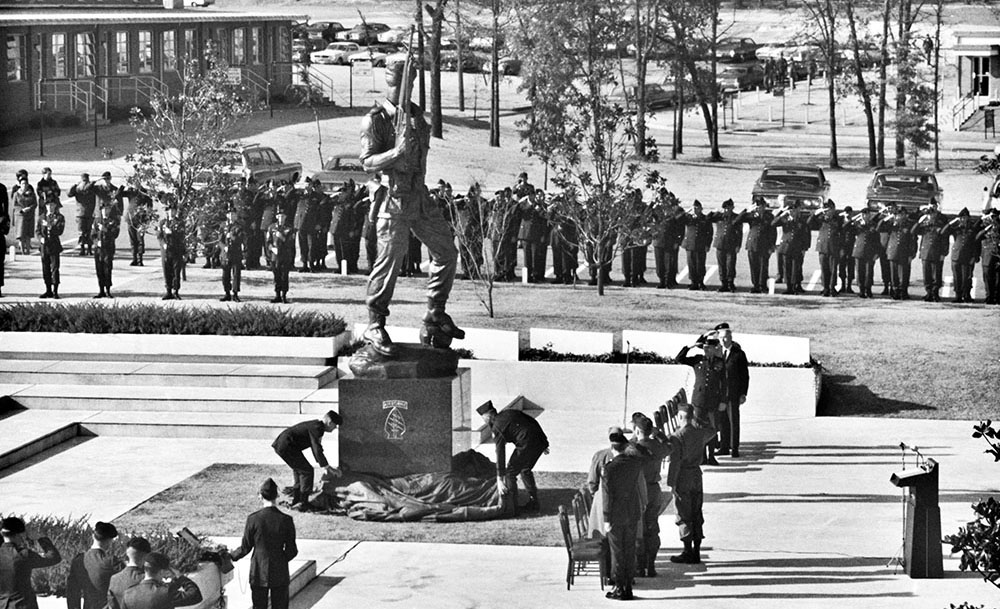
(854, 80)
(824, 16)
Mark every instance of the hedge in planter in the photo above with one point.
(249, 320)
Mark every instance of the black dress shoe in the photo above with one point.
(722, 451)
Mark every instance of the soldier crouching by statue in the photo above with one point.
(172, 251)
(530, 443)
(51, 225)
(231, 240)
(106, 228)
(394, 140)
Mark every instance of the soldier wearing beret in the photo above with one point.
(989, 236)
(687, 445)
(530, 443)
(231, 241)
(964, 252)
(91, 571)
(171, 234)
(794, 243)
(280, 244)
(828, 224)
(270, 535)
(17, 560)
(866, 248)
(761, 239)
(697, 241)
(161, 587)
(900, 251)
(49, 230)
(290, 444)
(623, 508)
(728, 239)
(135, 555)
(933, 249)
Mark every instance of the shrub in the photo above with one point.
(153, 319)
(546, 354)
(70, 120)
(74, 535)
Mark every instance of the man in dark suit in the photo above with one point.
(709, 394)
(155, 592)
(17, 560)
(622, 512)
(728, 239)
(760, 243)
(90, 572)
(529, 441)
(687, 445)
(737, 380)
(133, 573)
(289, 446)
(270, 534)
(828, 224)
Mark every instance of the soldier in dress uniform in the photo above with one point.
(697, 241)
(172, 250)
(104, 231)
(794, 242)
(989, 237)
(655, 444)
(86, 202)
(530, 443)
(135, 554)
(135, 218)
(867, 246)
(845, 260)
(623, 511)
(761, 238)
(667, 236)
(231, 240)
(933, 249)
(90, 572)
(687, 446)
(828, 223)
(900, 250)
(964, 252)
(708, 397)
(4, 230)
(49, 230)
(533, 234)
(48, 184)
(281, 245)
(107, 194)
(252, 197)
(305, 222)
(290, 444)
(270, 535)
(17, 560)
(25, 204)
(885, 266)
(161, 587)
(728, 239)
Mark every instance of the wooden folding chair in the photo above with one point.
(581, 554)
(587, 497)
(581, 517)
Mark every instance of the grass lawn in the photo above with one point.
(216, 500)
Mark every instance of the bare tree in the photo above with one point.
(855, 71)
(436, 12)
(824, 15)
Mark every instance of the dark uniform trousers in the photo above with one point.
(759, 260)
(302, 470)
(621, 542)
(50, 266)
(793, 269)
(933, 270)
(688, 499)
(649, 545)
(900, 275)
(666, 264)
(231, 274)
(84, 225)
(696, 267)
(886, 268)
(962, 282)
(136, 239)
(278, 594)
(991, 276)
(828, 271)
(634, 262)
(727, 266)
(866, 273)
(845, 269)
(172, 263)
(564, 261)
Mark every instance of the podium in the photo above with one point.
(922, 528)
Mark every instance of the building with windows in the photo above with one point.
(87, 57)
(976, 56)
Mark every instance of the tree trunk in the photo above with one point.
(495, 80)
(422, 98)
(640, 81)
(883, 82)
(713, 135)
(866, 98)
(437, 20)
(903, 84)
(459, 43)
(939, 9)
(830, 87)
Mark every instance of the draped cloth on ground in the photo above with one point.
(468, 492)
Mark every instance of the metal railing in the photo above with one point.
(965, 107)
(133, 89)
(74, 95)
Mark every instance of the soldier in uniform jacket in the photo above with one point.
(623, 511)
(270, 535)
(102, 238)
(506, 255)
(49, 231)
(761, 238)
(530, 442)
(135, 553)
(155, 593)
(708, 396)
(90, 572)
(933, 249)
(281, 245)
(668, 233)
(883, 258)
(107, 194)
(728, 239)
(231, 240)
(17, 561)
(172, 251)
(343, 222)
(964, 252)
(687, 445)
(829, 224)
(25, 203)
(260, 215)
(845, 264)
(989, 237)
(697, 241)
(306, 221)
(4, 230)
(866, 250)
(638, 234)
(135, 218)
(86, 206)
(48, 184)
(655, 444)
(533, 234)
(900, 250)
(794, 242)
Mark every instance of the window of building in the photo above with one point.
(15, 57)
(57, 56)
(222, 47)
(283, 52)
(169, 50)
(256, 51)
(239, 54)
(145, 51)
(86, 66)
(190, 45)
(121, 53)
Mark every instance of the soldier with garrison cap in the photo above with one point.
(728, 239)
(402, 158)
(91, 571)
(17, 560)
(828, 224)
(530, 442)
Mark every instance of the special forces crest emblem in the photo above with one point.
(395, 424)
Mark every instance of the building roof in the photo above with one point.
(14, 18)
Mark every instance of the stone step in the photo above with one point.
(187, 399)
(26, 433)
(128, 373)
(175, 424)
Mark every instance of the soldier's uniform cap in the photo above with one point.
(486, 407)
(964, 212)
(46, 170)
(617, 438)
(106, 175)
(722, 326)
(829, 204)
(12, 525)
(21, 173)
(848, 209)
(728, 203)
(269, 489)
(711, 342)
(105, 530)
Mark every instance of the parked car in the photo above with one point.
(736, 50)
(508, 66)
(742, 77)
(336, 53)
(376, 53)
(339, 168)
(803, 184)
(774, 50)
(869, 55)
(657, 96)
(260, 163)
(317, 29)
(363, 33)
(907, 188)
(398, 35)
(471, 62)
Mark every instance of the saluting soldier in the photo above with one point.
(530, 443)
(49, 231)
(48, 184)
(667, 237)
(761, 239)
(171, 235)
(900, 250)
(697, 241)
(687, 445)
(231, 240)
(90, 572)
(708, 396)
(154, 592)
(829, 224)
(728, 239)
(135, 554)
(794, 242)
(103, 234)
(136, 215)
(18, 560)
(933, 249)
(655, 443)
(883, 258)
(867, 246)
(281, 245)
(306, 220)
(86, 203)
(845, 264)
(107, 194)
(964, 252)
(989, 237)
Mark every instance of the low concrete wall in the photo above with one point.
(776, 392)
(484, 344)
(760, 348)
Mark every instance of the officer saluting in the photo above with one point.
(17, 560)
(90, 572)
(529, 442)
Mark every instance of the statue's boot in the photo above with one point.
(376, 336)
(439, 329)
